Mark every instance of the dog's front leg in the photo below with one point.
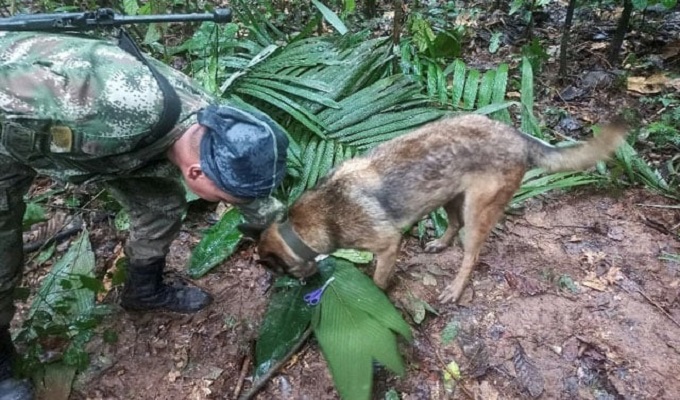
(386, 259)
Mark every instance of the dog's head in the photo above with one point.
(278, 256)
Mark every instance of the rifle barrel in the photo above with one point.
(78, 21)
(220, 15)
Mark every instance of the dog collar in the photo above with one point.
(295, 243)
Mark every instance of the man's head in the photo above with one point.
(232, 155)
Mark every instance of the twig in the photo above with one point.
(66, 222)
(242, 375)
(652, 302)
(58, 237)
(259, 384)
(658, 206)
(655, 304)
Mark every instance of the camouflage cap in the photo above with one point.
(243, 153)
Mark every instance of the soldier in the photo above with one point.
(82, 109)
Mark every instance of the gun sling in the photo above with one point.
(171, 103)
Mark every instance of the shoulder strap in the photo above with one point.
(171, 103)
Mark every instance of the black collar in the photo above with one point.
(295, 243)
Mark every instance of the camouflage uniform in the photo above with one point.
(75, 108)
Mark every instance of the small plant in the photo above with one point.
(63, 316)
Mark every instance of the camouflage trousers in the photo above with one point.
(155, 207)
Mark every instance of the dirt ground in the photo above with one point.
(573, 283)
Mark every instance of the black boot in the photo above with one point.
(10, 387)
(144, 290)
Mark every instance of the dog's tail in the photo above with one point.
(579, 156)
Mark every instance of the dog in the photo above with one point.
(470, 165)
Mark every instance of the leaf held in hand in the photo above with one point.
(218, 243)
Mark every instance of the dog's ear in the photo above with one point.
(251, 231)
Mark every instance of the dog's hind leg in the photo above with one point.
(453, 210)
(482, 208)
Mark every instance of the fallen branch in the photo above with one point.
(655, 304)
(242, 375)
(259, 384)
(652, 302)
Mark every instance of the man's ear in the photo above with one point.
(194, 171)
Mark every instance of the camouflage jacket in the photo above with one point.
(75, 107)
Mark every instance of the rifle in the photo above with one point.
(101, 18)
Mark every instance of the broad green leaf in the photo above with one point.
(486, 88)
(499, 88)
(284, 322)
(316, 165)
(529, 123)
(355, 256)
(495, 42)
(441, 87)
(669, 4)
(345, 336)
(351, 283)
(392, 395)
(350, 5)
(432, 79)
(153, 33)
(78, 300)
(496, 107)
(638, 171)
(470, 91)
(218, 243)
(355, 324)
(308, 165)
(450, 332)
(122, 220)
(458, 82)
(296, 91)
(439, 221)
(130, 7)
(46, 254)
(34, 213)
(515, 6)
(284, 103)
(446, 45)
(534, 184)
(331, 17)
(639, 4)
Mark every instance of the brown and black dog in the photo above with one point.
(471, 165)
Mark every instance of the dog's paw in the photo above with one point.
(435, 246)
(451, 294)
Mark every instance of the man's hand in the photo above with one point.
(259, 214)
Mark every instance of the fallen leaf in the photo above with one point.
(523, 284)
(671, 50)
(451, 376)
(592, 258)
(613, 276)
(594, 282)
(528, 375)
(648, 85)
(485, 391)
(429, 280)
(475, 350)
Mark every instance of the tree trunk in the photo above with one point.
(398, 16)
(369, 9)
(621, 29)
(396, 29)
(566, 33)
